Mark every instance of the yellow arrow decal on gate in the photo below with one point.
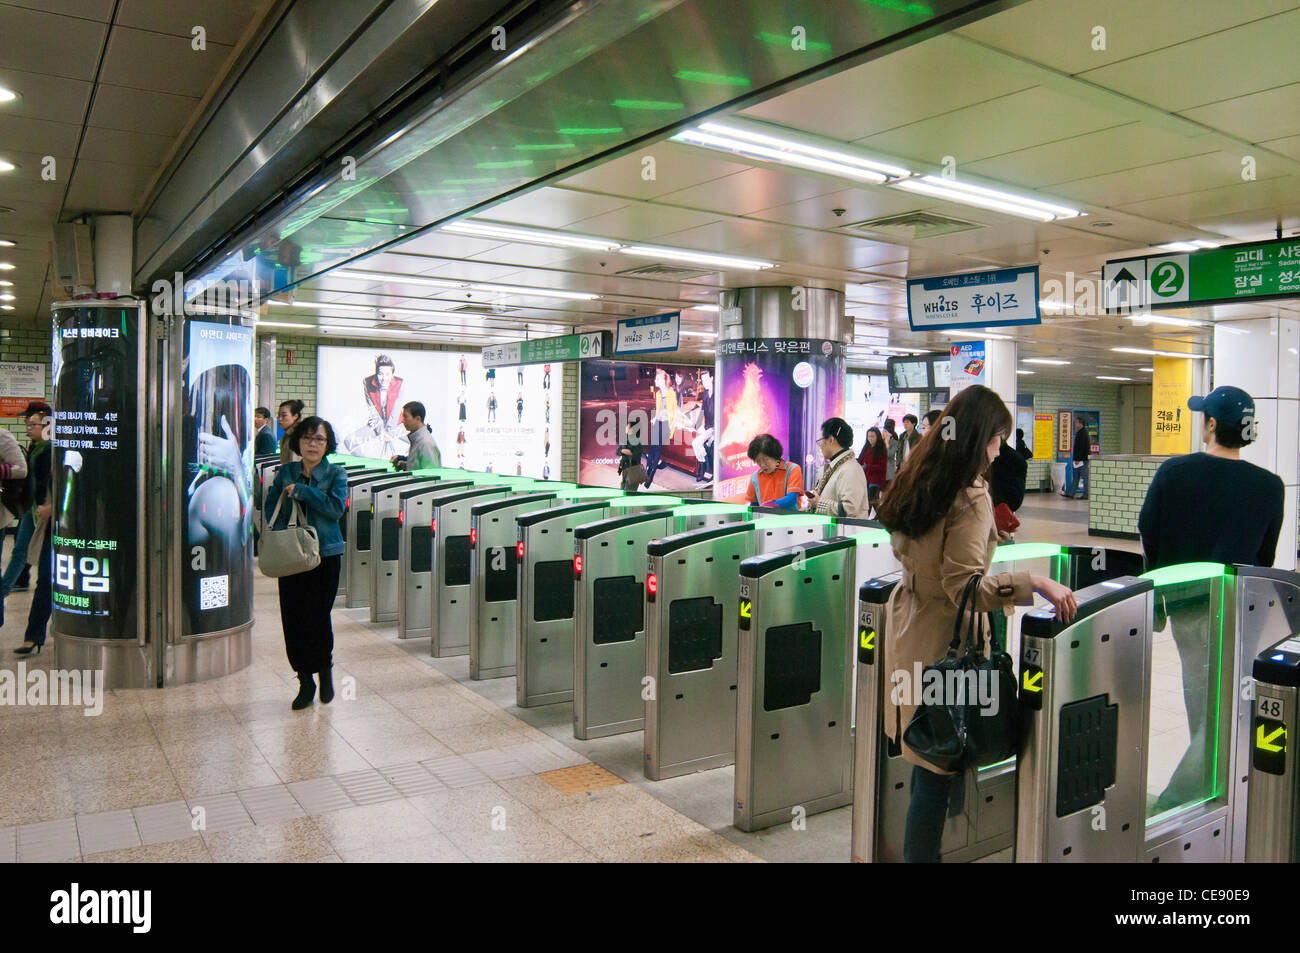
(1033, 681)
(746, 608)
(1266, 743)
(867, 638)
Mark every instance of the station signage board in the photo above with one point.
(1252, 271)
(567, 347)
(658, 332)
(20, 383)
(980, 299)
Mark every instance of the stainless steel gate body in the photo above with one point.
(352, 479)
(1083, 689)
(415, 556)
(386, 549)
(544, 622)
(361, 535)
(690, 642)
(450, 575)
(494, 581)
(1274, 789)
(794, 743)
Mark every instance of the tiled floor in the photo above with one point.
(412, 762)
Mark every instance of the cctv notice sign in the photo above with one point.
(1251, 271)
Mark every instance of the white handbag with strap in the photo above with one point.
(292, 550)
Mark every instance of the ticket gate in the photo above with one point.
(794, 742)
(544, 618)
(609, 661)
(415, 555)
(494, 581)
(450, 576)
(386, 545)
(1274, 794)
(874, 556)
(346, 523)
(360, 539)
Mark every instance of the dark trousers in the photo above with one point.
(43, 597)
(652, 462)
(927, 812)
(306, 600)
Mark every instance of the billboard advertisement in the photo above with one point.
(678, 396)
(967, 364)
(217, 477)
(868, 403)
(777, 386)
(503, 420)
(94, 535)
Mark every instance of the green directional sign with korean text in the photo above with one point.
(1253, 271)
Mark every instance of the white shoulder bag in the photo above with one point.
(289, 551)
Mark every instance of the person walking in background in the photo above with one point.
(842, 486)
(424, 453)
(15, 574)
(1207, 507)
(264, 439)
(942, 532)
(1007, 477)
(778, 482)
(40, 472)
(289, 416)
(548, 410)
(1022, 447)
(546, 439)
(907, 441)
(1078, 473)
(890, 433)
(519, 376)
(874, 458)
(15, 491)
(307, 598)
(929, 420)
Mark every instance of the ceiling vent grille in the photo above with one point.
(911, 226)
(676, 272)
(484, 309)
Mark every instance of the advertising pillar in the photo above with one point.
(780, 370)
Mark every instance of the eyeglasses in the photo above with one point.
(313, 440)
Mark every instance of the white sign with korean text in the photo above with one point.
(658, 332)
(979, 299)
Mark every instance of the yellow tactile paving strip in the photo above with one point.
(581, 779)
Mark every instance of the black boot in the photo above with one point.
(306, 691)
(326, 686)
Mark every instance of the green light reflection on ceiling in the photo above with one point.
(593, 131)
(483, 181)
(648, 104)
(776, 39)
(713, 79)
(543, 146)
(915, 9)
(501, 164)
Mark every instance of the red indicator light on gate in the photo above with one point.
(401, 517)
(651, 586)
(473, 537)
(433, 526)
(577, 567)
(519, 549)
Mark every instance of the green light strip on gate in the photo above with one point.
(710, 509)
(1013, 552)
(644, 499)
(794, 519)
(1184, 572)
(872, 537)
(590, 493)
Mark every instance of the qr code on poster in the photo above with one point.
(214, 592)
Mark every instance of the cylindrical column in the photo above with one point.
(779, 370)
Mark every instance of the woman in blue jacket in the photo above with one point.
(307, 598)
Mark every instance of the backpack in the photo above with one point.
(16, 496)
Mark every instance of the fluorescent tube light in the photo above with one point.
(978, 335)
(390, 276)
(696, 257)
(968, 194)
(1143, 350)
(1044, 360)
(536, 236)
(1019, 371)
(323, 305)
(1104, 377)
(781, 156)
(1172, 322)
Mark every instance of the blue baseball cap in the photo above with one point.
(1227, 405)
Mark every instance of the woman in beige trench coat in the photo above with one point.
(942, 531)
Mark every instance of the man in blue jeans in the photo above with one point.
(34, 414)
(1076, 477)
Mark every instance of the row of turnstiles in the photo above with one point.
(748, 637)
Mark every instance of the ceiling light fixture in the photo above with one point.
(1172, 322)
(536, 236)
(1105, 377)
(1149, 370)
(7, 95)
(1044, 360)
(285, 324)
(968, 194)
(6, 284)
(698, 334)
(6, 243)
(712, 308)
(1018, 371)
(362, 331)
(6, 266)
(535, 292)
(7, 166)
(885, 347)
(1177, 246)
(7, 297)
(978, 335)
(697, 257)
(6, 307)
(1143, 350)
(746, 142)
(323, 305)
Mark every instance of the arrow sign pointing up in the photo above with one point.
(1267, 743)
(1124, 275)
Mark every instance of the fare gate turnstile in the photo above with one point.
(544, 621)
(449, 590)
(690, 716)
(794, 742)
(409, 577)
(609, 662)
(386, 555)
(1267, 611)
(494, 581)
(354, 476)
(1084, 704)
(1271, 830)
(692, 583)
(362, 532)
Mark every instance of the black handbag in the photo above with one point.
(972, 722)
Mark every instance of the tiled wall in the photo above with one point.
(1053, 395)
(29, 345)
(1116, 495)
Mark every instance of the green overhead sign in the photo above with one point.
(1248, 272)
(567, 347)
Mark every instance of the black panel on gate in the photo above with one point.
(694, 634)
(792, 668)
(421, 549)
(618, 612)
(363, 530)
(457, 557)
(1089, 733)
(501, 582)
(553, 590)
(390, 538)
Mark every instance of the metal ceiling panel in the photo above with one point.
(676, 167)
(41, 96)
(37, 136)
(125, 148)
(138, 110)
(138, 59)
(753, 190)
(27, 38)
(1173, 177)
(1192, 207)
(99, 10)
(223, 22)
(550, 207)
(1290, 146)
(1271, 114)
(642, 221)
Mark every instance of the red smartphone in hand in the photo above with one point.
(1004, 519)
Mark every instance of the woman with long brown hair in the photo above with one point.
(940, 517)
